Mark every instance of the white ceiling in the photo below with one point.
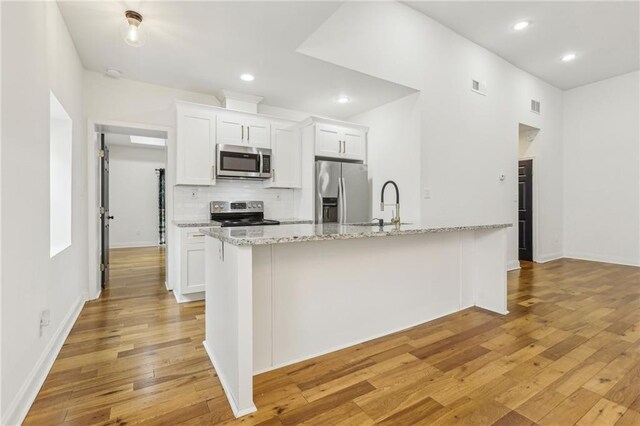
(205, 46)
(604, 34)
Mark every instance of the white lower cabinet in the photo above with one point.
(191, 264)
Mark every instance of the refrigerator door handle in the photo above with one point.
(344, 203)
(340, 200)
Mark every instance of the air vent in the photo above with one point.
(479, 87)
(535, 106)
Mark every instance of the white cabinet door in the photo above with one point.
(195, 146)
(328, 141)
(353, 144)
(192, 262)
(286, 151)
(257, 133)
(230, 130)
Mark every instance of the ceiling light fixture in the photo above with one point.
(133, 32)
(343, 100)
(113, 73)
(521, 25)
(247, 77)
(568, 57)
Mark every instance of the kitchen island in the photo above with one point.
(277, 295)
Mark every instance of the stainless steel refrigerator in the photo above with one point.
(342, 192)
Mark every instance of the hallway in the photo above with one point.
(568, 351)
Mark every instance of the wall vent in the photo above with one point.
(479, 87)
(535, 106)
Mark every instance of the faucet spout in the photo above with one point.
(396, 218)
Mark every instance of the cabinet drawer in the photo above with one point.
(190, 236)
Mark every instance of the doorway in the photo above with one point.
(526, 224)
(132, 205)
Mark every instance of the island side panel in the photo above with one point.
(229, 320)
(488, 270)
(332, 294)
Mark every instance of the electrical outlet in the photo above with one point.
(45, 319)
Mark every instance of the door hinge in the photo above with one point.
(101, 153)
(102, 268)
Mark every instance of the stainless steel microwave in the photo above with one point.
(243, 162)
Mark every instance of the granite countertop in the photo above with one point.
(298, 233)
(194, 223)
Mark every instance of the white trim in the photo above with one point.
(548, 257)
(19, 407)
(188, 297)
(593, 257)
(134, 244)
(513, 265)
(223, 381)
(93, 215)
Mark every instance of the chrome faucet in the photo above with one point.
(396, 215)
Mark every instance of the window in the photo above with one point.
(60, 134)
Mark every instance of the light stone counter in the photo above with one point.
(297, 233)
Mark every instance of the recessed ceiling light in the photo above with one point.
(343, 99)
(521, 25)
(247, 77)
(569, 57)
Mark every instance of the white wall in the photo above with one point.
(466, 139)
(42, 58)
(133, 195)
(393, 153)
(129, 101)
(601, 170)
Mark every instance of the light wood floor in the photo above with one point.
(569, 352)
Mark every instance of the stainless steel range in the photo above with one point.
(239, 213)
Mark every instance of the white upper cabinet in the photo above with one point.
(286, 157)
(340, 142)
(230, 130)
(328, 142)
(353, 144)
(235, 129)
(196, 145)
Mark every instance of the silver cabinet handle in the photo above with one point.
(344, 147)
(273, 175)
(339, 147)
(213, 172)
(242, 127)
(248, 134)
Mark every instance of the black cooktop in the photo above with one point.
(248, 221)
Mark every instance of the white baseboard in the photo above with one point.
(603, 258)
(513, 265)
(186, 298)
(225, 386)
(134, 244)
(19, 407)
(548, 257)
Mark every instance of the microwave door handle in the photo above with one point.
(261, 164)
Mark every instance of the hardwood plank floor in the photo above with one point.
(567, 353)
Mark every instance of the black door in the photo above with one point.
(104, 211)
(525, 209)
